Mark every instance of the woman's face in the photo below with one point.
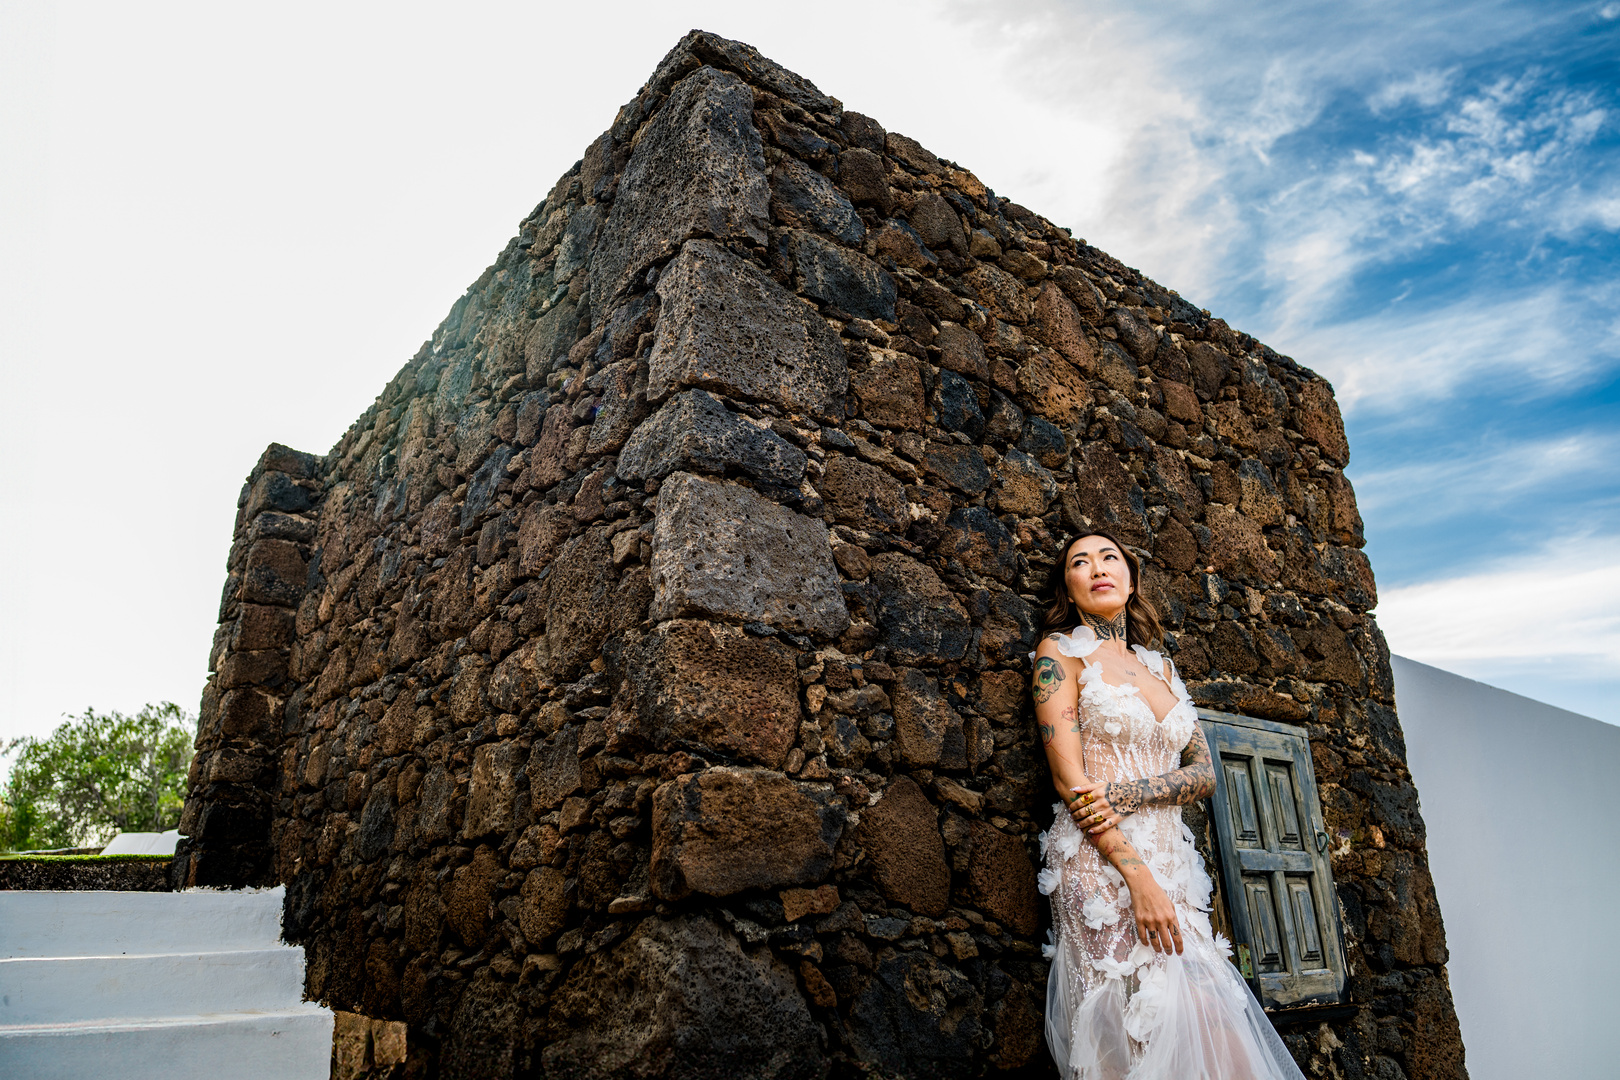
(1097, 576)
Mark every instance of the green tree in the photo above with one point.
(96, 775)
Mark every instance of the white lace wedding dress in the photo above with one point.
(1117, 1009)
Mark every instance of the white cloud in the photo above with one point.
(1469, 479)
(1557, 605)
(1394, 359)
(1428, 88)
(1192, 187)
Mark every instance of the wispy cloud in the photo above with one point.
(1422, 87)
(1485, 476)
(1265, 190)
(1557, 604)
(1401, 359)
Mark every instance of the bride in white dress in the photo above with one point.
(1141, 988)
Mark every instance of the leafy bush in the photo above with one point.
(97, 775)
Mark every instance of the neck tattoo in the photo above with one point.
(1105, 629)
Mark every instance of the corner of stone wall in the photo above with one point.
(226, 825)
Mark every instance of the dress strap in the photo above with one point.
(1163, 669)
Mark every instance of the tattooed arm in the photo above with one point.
(1056, 688)
(1194, 781)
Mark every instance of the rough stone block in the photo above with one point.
(585, 602)
(554, 772)
(962, 351)
(710, 686)
(264, 668)
(956, 406)
(726, 829)
(890, 391)
(998, 291)
(261, 626)
(927, 731)
(803, 198)
(840, 277)
(862, 173)
(1054, 387)
(864, 496)
(1001, 878)
(900, 834)
(723, 551)
(275, 574)
(1058, 324)
(1321, 423)
(916, 1016)
(921, 620)
(799, 903)
(1108, 495)
(726, 326)
(979, 541)
(623, 391)
(698, 170)
(681, 998)
(247, 712)
(1024, 486)
(467, 897)
(937, 224)
(544, 909)
(962, 467)
(492, 790)
(275, 491)
(701, 47)
(694, 432)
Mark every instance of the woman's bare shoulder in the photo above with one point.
(1050, 645)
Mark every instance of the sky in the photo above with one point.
(227, 225)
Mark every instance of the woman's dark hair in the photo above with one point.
(1141, 618)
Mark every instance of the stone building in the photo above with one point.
(639, 686)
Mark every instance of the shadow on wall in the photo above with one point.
(1517, 795)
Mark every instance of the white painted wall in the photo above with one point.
(1524, 844)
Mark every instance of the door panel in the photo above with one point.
(1245, 822)
(1280, 775)
(1277, 877)
(1308, 945)
(1267, 945)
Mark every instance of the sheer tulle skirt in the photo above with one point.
(1186, 1017)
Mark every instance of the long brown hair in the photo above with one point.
(1142, 625)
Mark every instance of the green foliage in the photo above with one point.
(97, 775)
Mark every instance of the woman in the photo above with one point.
(1140, 988)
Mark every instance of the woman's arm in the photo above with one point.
(1057, 701)
(1110, 803)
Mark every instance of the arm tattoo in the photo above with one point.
(1106, 629)
(1113, 846)
(1195, 780)
(1048, 673)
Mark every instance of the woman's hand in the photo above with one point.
(1093, 811)
(1155, 915)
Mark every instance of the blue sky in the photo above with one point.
(223, 225)
(1421, 201)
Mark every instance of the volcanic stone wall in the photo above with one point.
(639, 686)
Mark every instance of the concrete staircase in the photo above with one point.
(195, 984)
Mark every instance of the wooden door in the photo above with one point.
(1274, 859)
